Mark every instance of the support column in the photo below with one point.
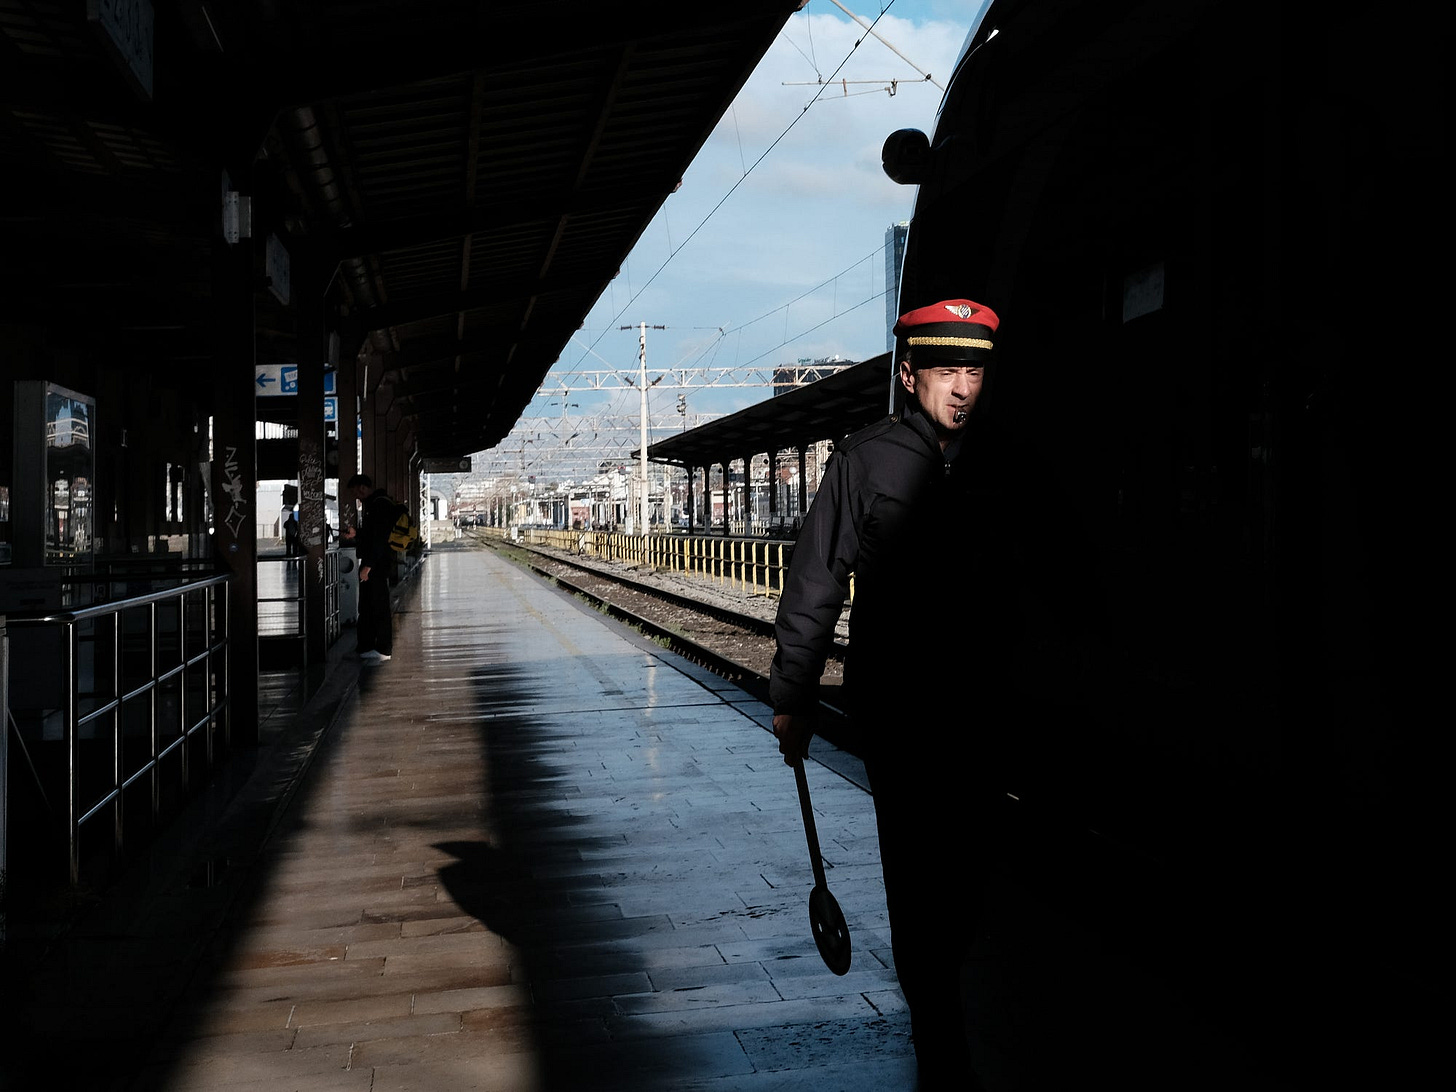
(773, 485)
(689, 505)
(727, 497)
(394, 468)
(376, 463)
(346, 384)
(747, 495)
(369, 417)
(312, 350)
(803, 480)
(414, 477)
(234, 474)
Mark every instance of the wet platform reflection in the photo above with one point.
(541, 853)
(535, 851)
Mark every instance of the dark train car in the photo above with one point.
(1213, 237)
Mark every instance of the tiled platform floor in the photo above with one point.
(540, 853)
(536, 852)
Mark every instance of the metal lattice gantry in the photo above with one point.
(574, 448)
(696, 378)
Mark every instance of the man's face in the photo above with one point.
(945, 392)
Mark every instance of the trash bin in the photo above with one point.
(348, 585)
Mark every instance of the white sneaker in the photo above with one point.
(371, 656)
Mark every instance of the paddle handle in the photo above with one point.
(809, 830)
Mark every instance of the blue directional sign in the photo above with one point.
(331, 409)
(275, 380)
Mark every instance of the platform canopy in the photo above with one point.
(464, 177)
(827, 409)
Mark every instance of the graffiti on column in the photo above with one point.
(233, 486)
(311, 501)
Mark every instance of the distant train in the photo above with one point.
(1209, 233)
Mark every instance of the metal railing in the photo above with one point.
(333, 618)
(283, 596)
(122, 700)
(754, 565)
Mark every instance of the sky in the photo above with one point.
(764, 259)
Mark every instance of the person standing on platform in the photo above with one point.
(909, 506)
(375, 628)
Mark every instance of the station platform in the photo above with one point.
(535, 851)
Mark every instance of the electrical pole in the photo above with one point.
(646, 501)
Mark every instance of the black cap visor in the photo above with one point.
(930, 355)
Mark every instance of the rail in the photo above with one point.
(283, 596)
(140, 702)
(757, 566)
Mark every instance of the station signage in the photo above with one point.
(273, 380)
(446, 466)
(281, 380)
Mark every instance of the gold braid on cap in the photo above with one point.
(955, 342)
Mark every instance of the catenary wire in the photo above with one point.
(733, 189)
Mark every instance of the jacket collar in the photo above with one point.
(921, 426)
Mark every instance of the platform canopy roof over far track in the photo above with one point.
(828, 409)
(465, 176)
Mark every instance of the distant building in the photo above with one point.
(894, 259)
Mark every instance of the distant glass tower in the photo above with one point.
(894, 259)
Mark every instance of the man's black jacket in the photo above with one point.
(920, 535)
(380, 513)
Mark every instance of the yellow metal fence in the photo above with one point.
(755, 565)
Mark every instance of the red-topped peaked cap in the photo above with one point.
(951, 330)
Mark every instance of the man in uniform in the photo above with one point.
(375, 627)
(908, 506)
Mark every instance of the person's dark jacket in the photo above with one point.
(917, 531)
(380, 513)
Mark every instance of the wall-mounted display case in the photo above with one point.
(52, 499)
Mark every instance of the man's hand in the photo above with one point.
(793, 730)
(348, 534)
(363, 573)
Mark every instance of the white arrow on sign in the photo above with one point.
(275, 380)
